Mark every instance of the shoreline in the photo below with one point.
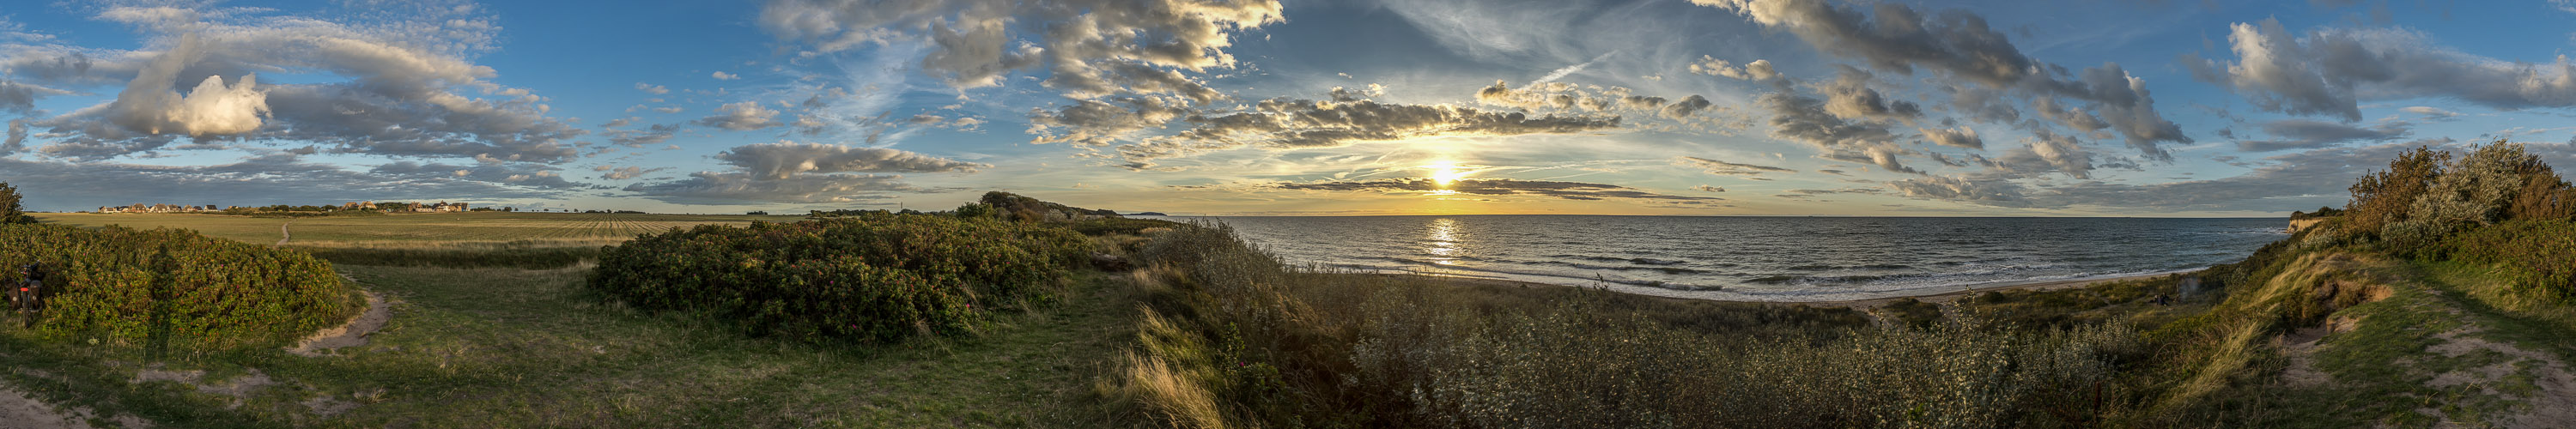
(1930, 295)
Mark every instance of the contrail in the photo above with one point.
(1560, 73)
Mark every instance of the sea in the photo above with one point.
(1784, 259)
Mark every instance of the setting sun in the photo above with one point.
(1444, 174)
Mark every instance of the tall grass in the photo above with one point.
(1230, 330)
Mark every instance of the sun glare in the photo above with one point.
(1445, 174)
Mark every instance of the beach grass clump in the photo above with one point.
(189, 291)
(877, 277)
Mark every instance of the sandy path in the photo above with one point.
(351, 334)
(282, 235)
(1856, 303)
(17, 411)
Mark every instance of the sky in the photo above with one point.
(1272, 107)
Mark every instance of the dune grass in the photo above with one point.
(498, 347)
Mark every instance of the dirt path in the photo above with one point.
(282, 235)
(17, 411)
(351, 334)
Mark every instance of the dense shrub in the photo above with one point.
(10, 210)
(875, 277)
(2540, 255)
(1120, 225)
(2382, 198)
(120, 284)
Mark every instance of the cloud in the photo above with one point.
(1758, 70)
(652, 89)
(2309, 134)
(778, 161)
(1849, 96)
(2048, 152)
(1570, 70)
(279, 178)
(2289, 181)
(405, 90)
(1492, 187)
(1962, 52)
(2432, 113)
(713, 188)
(1284, 123)
(1963, 137)
(1102, 123)
(648, 136)
(725, 76)
(625, 173)
(1090, 48)
(2330, 70)
(1724, 168)
(1707, 188)
(742, 116)
(519, 174)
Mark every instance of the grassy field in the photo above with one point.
(499, 347)
(418, 229)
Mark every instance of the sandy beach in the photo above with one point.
(1938, 295)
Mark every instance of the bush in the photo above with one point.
(876, 277)
(1120, 225)
(123, 285)
(10, 211)
(2539, 254)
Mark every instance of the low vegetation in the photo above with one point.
(871, 278)
(172, 288)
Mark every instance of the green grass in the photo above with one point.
(500, 347)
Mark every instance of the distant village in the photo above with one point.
(391, 207)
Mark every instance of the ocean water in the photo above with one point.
(1760, 258)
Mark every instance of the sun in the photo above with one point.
(1445, 174)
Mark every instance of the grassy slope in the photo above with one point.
(523, 348)
(2311, 347)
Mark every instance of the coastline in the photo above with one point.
(1931, 295)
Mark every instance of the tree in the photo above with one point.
(10, 211)
(2383, 198)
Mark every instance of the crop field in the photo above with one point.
(420, 229)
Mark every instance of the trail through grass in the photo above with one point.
(497, 347)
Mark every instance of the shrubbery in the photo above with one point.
(120, 284)
(2496, 205)
(1235, 338)
(873, 277)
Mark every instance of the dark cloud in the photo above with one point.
(1089, 48)
(625, 173)
(1976, 64)
(1099, 123)
(1728, 168)
(1492, 187)
(778, 161)
(2308, 134)
(713, 188)
(518, 174)
(2047, 152)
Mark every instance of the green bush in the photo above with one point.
(2541, 254)
(123, 285)
(875, 277)
(1120, 225)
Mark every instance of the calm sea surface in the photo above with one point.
(1760, 258)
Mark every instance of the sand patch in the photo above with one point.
(351, 334)
(2552, 404)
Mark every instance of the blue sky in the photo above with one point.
(1702, 107)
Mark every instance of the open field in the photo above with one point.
(497, 347)
(417, 229)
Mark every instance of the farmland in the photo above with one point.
(418, 230)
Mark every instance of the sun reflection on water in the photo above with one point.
(1441, 241)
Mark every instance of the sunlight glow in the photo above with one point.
(1443, 174)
